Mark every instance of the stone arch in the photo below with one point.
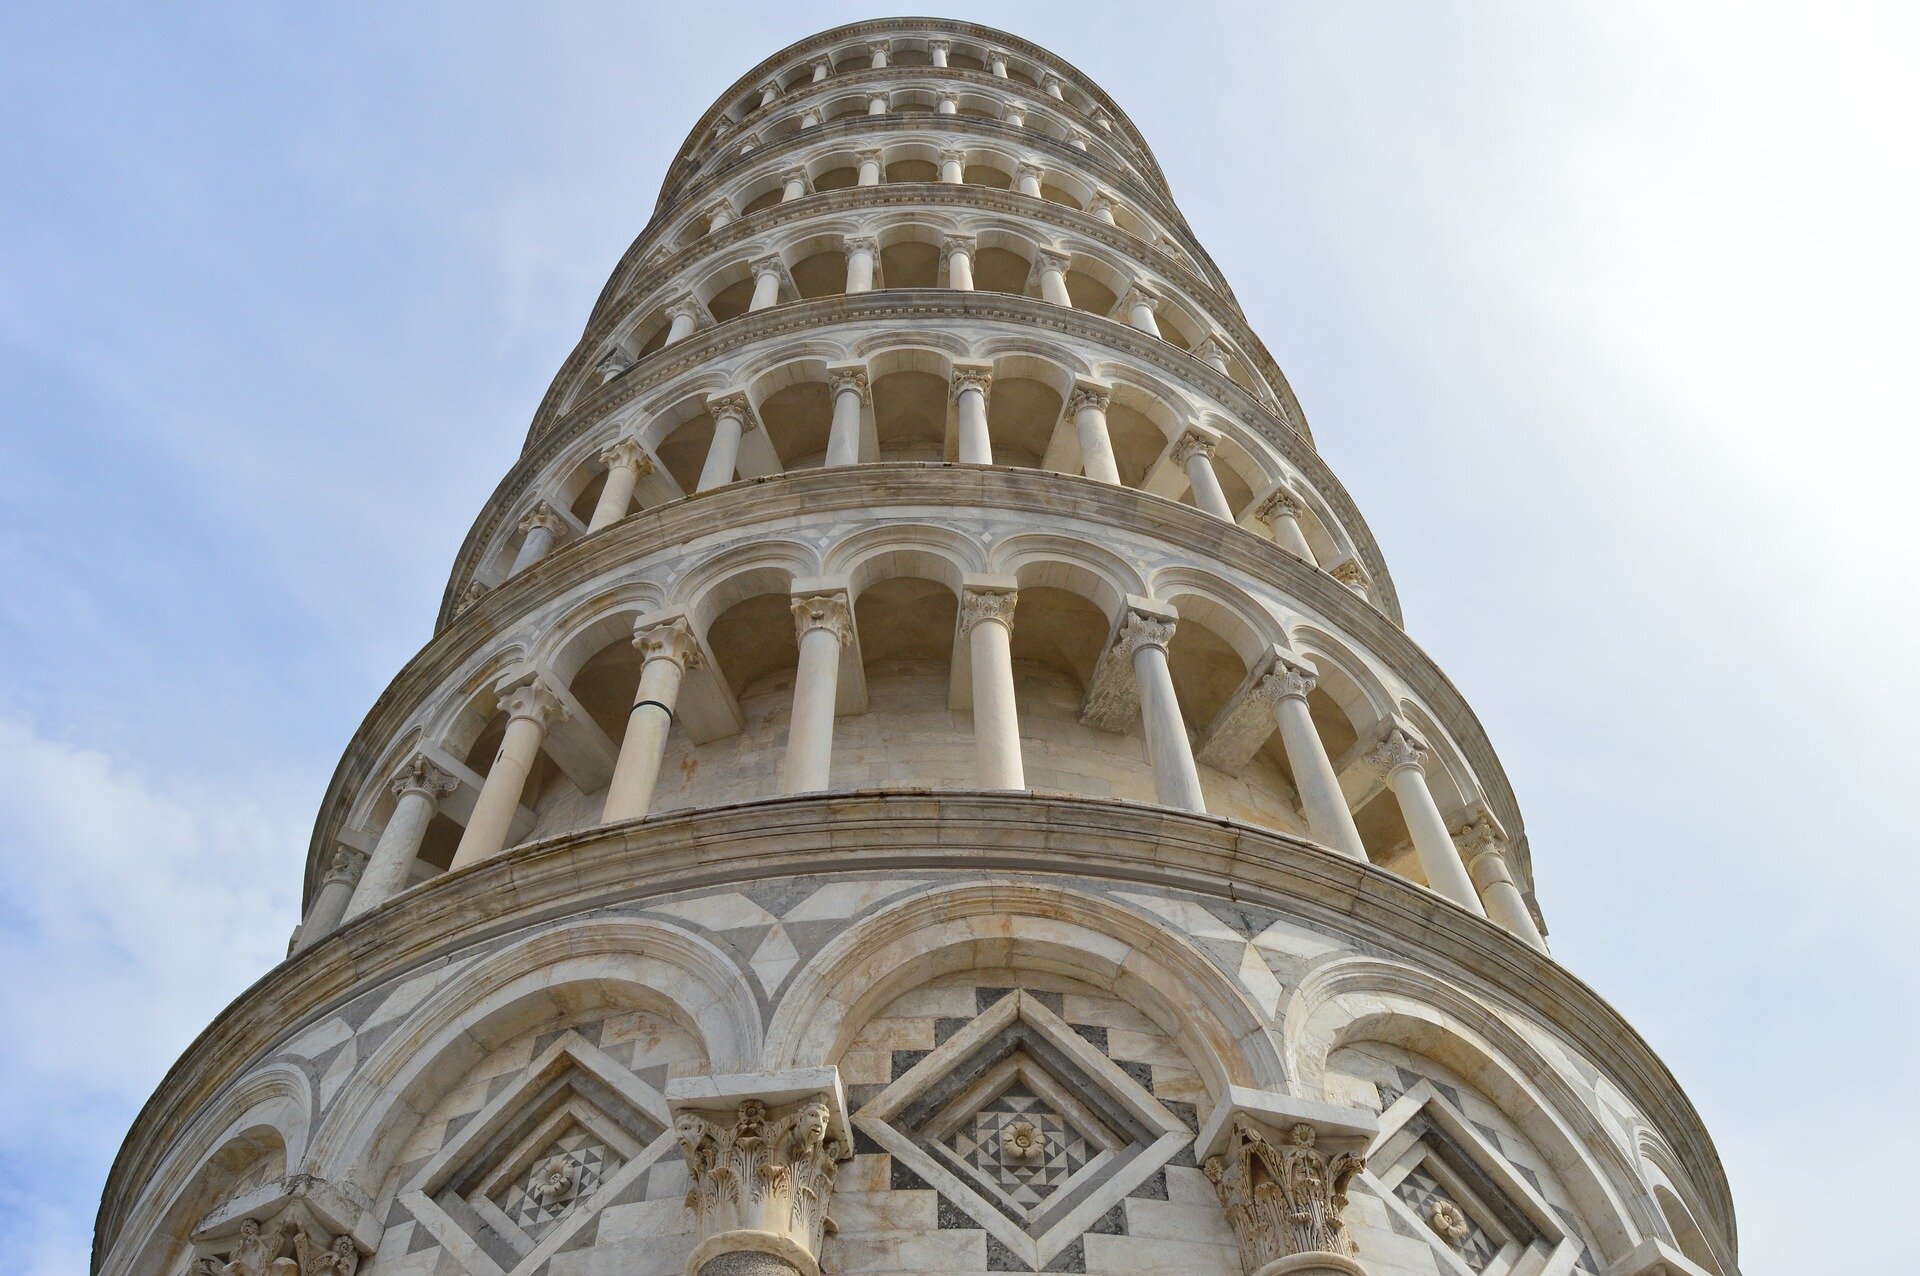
(738, 574)
(1097, 574)
(590, 624)
(1034, 927)
(618, 963)
(1353, 1000)
(269, 1112)
(1448, 775)
(463, 707)
(1677, 1203)
(904, 549)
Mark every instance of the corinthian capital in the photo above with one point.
(977, 605)
(1143, 629)
(972, 376)
(1350, 573)
(1279, 503)
(541, 515)
(733, 404)
(830, 611)
(532, 700)
(760, 1179)
(419, 775)
(961, 244)
(1397, 750)
(845, 379)
(1087, 396)
(1286, 1200)
(1288, 681)
(669, 639)
(612, 364)
(1140, 296)
(1194, 443)
(346, 865)
(629, 454)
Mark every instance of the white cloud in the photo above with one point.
(128, 917)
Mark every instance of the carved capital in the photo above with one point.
(541, 515)
(1284, 1200)
(1194, 443)
(962, 245)
(1085, 397)
(1051, 259)
(612, 364)
(629, 454)
(793, 175)
(721, 210)
(977, 605)
(1397, 750)
(1101, 199)
(532, 700)
(1143, 629)
(667, 640)
(770, 265)
(473, 593)
(1027, 168)
(1280, 503)
(419, 775)
(1350, 573)
(761, 1178)
(972, 376)
(848, 381)
(954, 155)
(1287, 681)
(822, 66)
(939, 46)
(874, 156)
(346, 865)
(1015, 113)
(687, 307)
(1140, 296)
(880, 47)
(736, 405)
(830, 611)
(299, 1225)
(862, 244)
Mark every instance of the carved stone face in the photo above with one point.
(810, 1123)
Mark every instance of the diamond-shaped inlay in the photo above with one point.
(530, 1170)
(1020, 1122)
(1424, 1195)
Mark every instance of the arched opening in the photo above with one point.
(797, 418)
(910, 414)
(838, 178)
(1022, 412)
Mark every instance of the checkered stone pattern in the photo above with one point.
(1374, 1075)
(891, 1221)
(650, 1211)
(562, 1178)
(1421, 1191)
(990, 1147)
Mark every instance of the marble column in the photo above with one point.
(417, 790)
(1176, 779)
(1015, 114)
(1077, 140)
(1194, 454)
(997, 62)
(732, 418)
(849, 388)
(667, 651)
(971, 384)
(1103, 120)
(862, 252)
(953, 167)
(1402, 760)
(1213, 352)
(1051, 267)
(627, 463)
(1138, 306)
(956, 255)
(869, 168)
(824, 624)
(684, 316)
(538, 529)
(948, 104)
(1281, 510)
(822, 69)
(719, 216)
(1329, 821)
(938, 50)
(769, 93)
(1026, 179)
(987, 618)
(531, 709)
(1484, 847)
(793, 185)
(1102, 206)
(769, 273)
(1054, 89)
(810, 117)
(330, 905)
(877, 51)
(1088, 408)
(876, 104)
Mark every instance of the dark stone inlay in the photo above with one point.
(1071, 1259)
(1095, 1036)
(1112, 1223)
(1002, 1259)
(901, 1178)
(1152, 1188)
(903, 1061)
(954, 1219)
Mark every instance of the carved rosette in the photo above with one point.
(1285, 1203)
(761, 1181)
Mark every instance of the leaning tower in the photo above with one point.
(918, 770)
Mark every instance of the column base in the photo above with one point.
(1312, 1265)
(751, 1253)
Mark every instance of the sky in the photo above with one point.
(1597, 309)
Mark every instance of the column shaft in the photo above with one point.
(843, 436)
(682, 325)
(975, 443)
(869, 170)
(860, 267)
(1176, 780)
(952, 168)
(1207, 493)
(766, 290)
(493, 810)
(391, 863)
(960, 269)
(1321, 801)
(1053, 284)
(816, 687)
(1096, 447)
(616, 498)
(533, 548)
(1439, 858)
(996, 719)
(723, 454)
(637, 771)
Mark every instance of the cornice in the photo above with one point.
(1058, 838)
(878, 26)
(918, 486)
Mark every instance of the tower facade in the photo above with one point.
(918, 770)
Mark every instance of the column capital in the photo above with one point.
(612, 364)
(881, 96)
(957, 243)
(1085, 395)
(1286, 1200)
(1399, 749)
(978, 604)
(419, 774)
(772, 264)
(1050, 82)
(849, 377)
(1140, 295)
(1101, 199)
(733, 404)
(720, 208)
(861, 243)
(820, 65)
(831, 610)
(882, 47)
(795, 174)
(972, 376)
(944, 46)
(1291, 678)
(1350, 573)
(771, 86)
(1481, 834)
(1030, 168)
(997, 55)
(1281, 502)
(628, 454)
(346, 866)
(874, 153)
(1015, 112)
(954, 155)
(473, 593)
(1195, 440)
(1144, 629)
(1211, 347)
(1102, 119)
(688, 306)
(541, 515)
(1078, 139)
(952, 100)
(670, 638)
(531, 699)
